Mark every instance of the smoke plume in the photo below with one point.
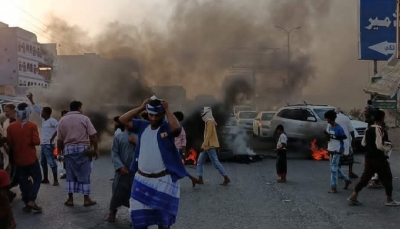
(200, 41)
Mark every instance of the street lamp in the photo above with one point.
(288, 37)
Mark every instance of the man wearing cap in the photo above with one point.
(209, 147)
(157, 165)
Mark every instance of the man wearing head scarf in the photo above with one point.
(22, 138)
(209, 147)
(157, 165)
(347, 158)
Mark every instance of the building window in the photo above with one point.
(30, 49)
(34, 69)
(20, 66)
(29, 84)
(34, 50)
(27, 47)
(24, 66)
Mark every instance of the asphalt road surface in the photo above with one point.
(252, 200)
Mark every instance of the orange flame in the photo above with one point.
(191, 157)
(317, 152)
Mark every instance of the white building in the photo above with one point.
(24, 62)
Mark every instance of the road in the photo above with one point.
(252, 200)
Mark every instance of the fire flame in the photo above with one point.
(191, 157)
(317, 152)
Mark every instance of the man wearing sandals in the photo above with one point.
(157, 166)
(75, 135)
(22, 138)
(376, 142)
(336, 146)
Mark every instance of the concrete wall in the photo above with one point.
(8, 57)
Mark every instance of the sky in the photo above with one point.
(92, 14)
(88, 14)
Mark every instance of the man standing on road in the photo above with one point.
(376, 142)
(347, 158)
(75, 136)
(157, 166)
(122, 152)
(49, 133)
(22, 138)
(209, 147)
(335, 148)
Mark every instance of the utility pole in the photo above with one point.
(288, 31)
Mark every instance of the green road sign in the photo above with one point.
(385, 104)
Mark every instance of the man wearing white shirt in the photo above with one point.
(347, 158)
(49, 133)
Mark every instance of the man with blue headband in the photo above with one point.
(157, 165)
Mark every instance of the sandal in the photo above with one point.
(353, 201)
(69, 203)
(89, 203)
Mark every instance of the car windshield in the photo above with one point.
(267, 116)
(247, 115)
(321, 112)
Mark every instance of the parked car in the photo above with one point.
(307, 122)
(262, 123)
(245, 119)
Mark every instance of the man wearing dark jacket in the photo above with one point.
(377, 145)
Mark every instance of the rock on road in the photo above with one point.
(252, 200)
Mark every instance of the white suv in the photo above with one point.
(307, 122)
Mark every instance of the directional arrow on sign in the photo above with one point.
(384, 48)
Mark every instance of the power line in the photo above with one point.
(52, 38)
(18, 7)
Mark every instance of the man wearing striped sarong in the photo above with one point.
(157, 166)
(75, 134)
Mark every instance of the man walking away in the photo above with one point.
(122, 152)
(22, 138)
(281, 161)
(336, 136)
(347, 158)
(209, 147)
(376, 142)
(157, 166)
(75, 135)
(49, 133)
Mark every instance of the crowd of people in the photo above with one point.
(148, 152)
